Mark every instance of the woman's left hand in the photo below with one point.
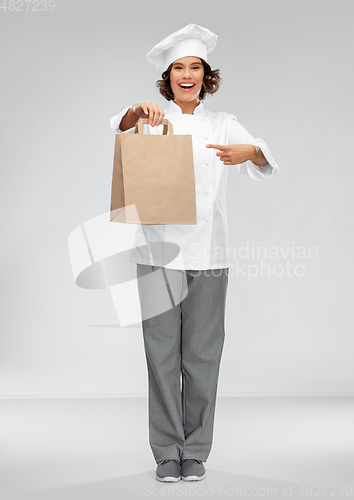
(233, 154)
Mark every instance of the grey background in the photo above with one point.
(288, 76)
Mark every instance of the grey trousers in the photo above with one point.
(183, 347)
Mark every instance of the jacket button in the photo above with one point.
(206, 191)
(206, 218)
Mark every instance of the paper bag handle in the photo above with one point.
(167, 125)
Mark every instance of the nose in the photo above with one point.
(186, 73)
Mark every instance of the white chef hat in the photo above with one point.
(192, 40)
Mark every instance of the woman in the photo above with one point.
(184, 343)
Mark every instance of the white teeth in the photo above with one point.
(186, 84)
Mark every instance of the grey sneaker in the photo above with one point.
(168, 471)
(192, 469)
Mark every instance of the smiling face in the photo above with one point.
(186, 78)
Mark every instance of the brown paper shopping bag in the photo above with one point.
(156, 173)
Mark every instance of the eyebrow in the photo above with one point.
(181, 64)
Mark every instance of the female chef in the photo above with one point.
(183, 345)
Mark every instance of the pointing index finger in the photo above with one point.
(215, 146)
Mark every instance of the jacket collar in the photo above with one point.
(174, 108)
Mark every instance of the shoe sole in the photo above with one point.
(168, 479)
(193, 478)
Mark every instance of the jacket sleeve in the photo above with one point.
(115, 122)
(238, 135)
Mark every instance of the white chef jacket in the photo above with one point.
(203, 245)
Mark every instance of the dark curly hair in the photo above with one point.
(211, 82)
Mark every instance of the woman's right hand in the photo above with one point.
(149, 110)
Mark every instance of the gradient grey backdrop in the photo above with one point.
(288, 76)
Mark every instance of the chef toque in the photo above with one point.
(192, 40)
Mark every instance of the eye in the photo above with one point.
(180, 67)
